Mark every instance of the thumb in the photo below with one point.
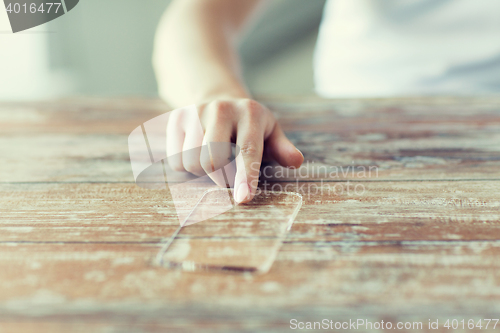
(282, 150)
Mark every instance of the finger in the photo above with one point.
(283, 150)
(250, 141)
(191, 149)
(175, 141)
(218, 142)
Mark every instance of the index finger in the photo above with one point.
(250, 141)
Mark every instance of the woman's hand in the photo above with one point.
(243, 121)
(197, 62)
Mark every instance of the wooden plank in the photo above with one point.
(122, 115)
(78, 237)
(384, 211)
(86, 140)
(323, 274)
(78, 116)
(403, 138)
(143, 322)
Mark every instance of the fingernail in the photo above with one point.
(241, 192)
(300, 152)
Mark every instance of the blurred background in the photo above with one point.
(104, 48)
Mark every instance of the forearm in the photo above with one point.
(195, 54)
(196, 62)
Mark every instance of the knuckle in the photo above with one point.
(206, 164)
(175, 164)
(191, 160)
(254, 108)
(221, 110)
(192, 167)
(250, 149)
(220, 106)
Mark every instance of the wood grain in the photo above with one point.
(395, 211)
(419, 241)
(85, 140)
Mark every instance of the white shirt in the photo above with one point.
(408, 47)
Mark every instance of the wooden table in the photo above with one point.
(77, 236)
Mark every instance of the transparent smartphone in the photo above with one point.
(245, 238)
